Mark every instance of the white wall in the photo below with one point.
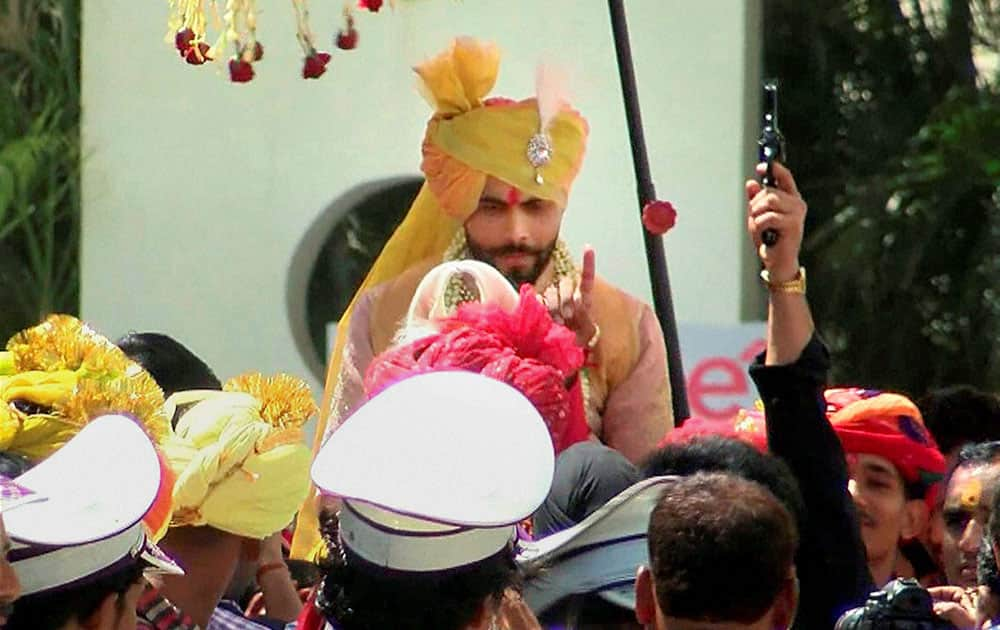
(196, 190)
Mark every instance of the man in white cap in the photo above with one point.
(434, 473)
(78, 546)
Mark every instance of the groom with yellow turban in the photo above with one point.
(498, 175)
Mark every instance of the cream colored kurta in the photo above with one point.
(626, 386)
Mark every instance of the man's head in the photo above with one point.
(709, 565)
(956, 416)
(241, 463)
(483, 179)
(169, 362)
(81, 563)
(704, 454)
(242, 471)
(893, 466)
(960, 415)
(399, 541)
(887, 509)
(966, 510)
(514, 231)
(107, 603)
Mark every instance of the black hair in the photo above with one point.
(978, 453)
(305, 574)
(51, 610)
(358, 595)
(729, 455)
(711, 531)
(169, 362)
(13, 465)
(959, 415)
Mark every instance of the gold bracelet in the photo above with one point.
(795, 285)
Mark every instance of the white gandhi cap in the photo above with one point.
(436, 470)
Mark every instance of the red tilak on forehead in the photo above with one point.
(513, 196)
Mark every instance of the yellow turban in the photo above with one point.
(58, 375)
(468, 139)
(241, 463)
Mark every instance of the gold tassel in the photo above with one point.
(107, 380)
(63, 342)
(137, 395)
(286, 402)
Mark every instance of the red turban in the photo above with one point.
(890, 426)
(523, 348)
(747, 426)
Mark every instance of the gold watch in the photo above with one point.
(795, 285)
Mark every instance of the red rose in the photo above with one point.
(371, 5)
(240, 71)
(347, 40)
(197, 55)
(658, 217)
(315, 65)
(183, 40)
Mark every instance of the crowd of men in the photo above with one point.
(495, 446)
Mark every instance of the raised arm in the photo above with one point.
(789, 321)
(790, 378)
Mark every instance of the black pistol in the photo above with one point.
(770, 145)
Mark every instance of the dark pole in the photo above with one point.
(655, 257)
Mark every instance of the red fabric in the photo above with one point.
(163, 504)
(748, 426)
(529, 330)
(524, 349)
(887, 425)
(310, 618)
(499, 101)
(575, 431)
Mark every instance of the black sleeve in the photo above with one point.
(832, 568)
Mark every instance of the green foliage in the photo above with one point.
(39, 160)
(894, 138)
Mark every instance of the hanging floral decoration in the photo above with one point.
(235, 22)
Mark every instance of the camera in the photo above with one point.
(902, 605)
